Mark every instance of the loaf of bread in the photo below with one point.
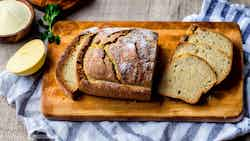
(110, 62)
(188, 77)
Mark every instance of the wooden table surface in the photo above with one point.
(154, 10)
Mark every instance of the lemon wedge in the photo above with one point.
(28, 59)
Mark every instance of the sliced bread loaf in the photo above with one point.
(213, 39)
(220, 63)
(110, 62)
(188, 77)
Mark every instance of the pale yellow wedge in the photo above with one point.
(28, 59)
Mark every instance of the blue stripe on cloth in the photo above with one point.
(247, 42)
(204, 131)
(225, 10)
(126, 128)
(192, 131)
(215, 132)
(246, 33)
(180, 131)
(103, 131)
(32, 113)
(27, 95)
(238, 15)
(114, 130)
(168, 131)
(74, 131)
(34, 100)
(210, 10)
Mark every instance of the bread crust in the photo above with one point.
(115, 90)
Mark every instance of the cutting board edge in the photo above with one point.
(129, 118)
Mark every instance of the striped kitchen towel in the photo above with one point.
(25, 92)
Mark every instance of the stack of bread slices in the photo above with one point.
(201, 60)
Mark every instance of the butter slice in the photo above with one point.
(28, 59)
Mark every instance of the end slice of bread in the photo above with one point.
(188, 77)
(66, 67)
(220, 63)
(213, 39)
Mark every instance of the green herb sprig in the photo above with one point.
(52, 11)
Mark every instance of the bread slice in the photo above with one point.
(213, 39)
(220, 63)
(66, 66)
(188, 77)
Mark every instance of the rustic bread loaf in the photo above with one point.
(188, 77)
(113, 62)
(213, 39)
(220, 63)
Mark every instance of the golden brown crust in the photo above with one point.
(115, 90)
(98, 66)
(93, 86)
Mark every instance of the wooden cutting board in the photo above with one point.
(222, 104)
